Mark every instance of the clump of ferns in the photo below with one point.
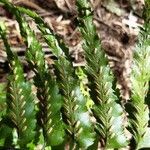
(62, 111)
(74, 112)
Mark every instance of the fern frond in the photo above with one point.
(100, 85)
(139, 116)
(74, 109)
(50, 100)
(54, 42)
(20, 100)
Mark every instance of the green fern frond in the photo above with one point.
(106, 111)
(102, 94)
(74, 109)
(47, 91)
(54, 42)
(50, 100)
(139, 116)
(20, 100)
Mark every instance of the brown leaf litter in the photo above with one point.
(117, 24)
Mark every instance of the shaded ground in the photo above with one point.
(60, 17)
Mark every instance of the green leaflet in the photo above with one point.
(109, 123)
(22, 112)
(52, 123)
(20, 101)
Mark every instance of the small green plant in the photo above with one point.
(59, 116)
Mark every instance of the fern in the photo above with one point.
(47, 92)
(137, 108)
(79, 127)
(20, 101)
(74, 103)
(62, 111)
(139, 116)
(100, 85)
(74, 109)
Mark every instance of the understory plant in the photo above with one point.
(56, 114)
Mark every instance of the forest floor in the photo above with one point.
(60, 16)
